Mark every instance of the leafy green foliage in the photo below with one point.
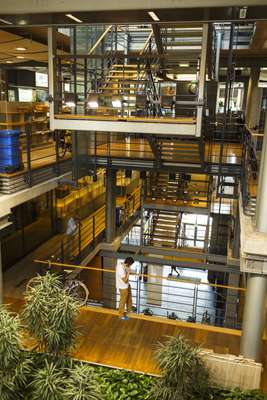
(15, 365)
(121, 384)
(236, 394)
(47, 383)
(184, 376)
(81, 384)
(50, 314)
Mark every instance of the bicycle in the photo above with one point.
(64, 144)
(74, 287)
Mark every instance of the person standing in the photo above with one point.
(122, 282)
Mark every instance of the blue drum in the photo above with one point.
(9, 150)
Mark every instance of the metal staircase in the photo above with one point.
(250, 208)
(165, 228)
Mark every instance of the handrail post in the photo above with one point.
(62, 250)
(28, 150)
(93, 230)
(138, 286)
(79, 242)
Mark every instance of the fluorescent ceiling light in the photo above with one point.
(20, 48)
(184, 65)
(5, 21)
(74, 18)
(9, 62)
(153, 15)
(20, 57)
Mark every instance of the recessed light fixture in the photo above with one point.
(153, 15)
(184, 65)
(20, 57)
(74, 18)
(9, 62)
(5, 21)
(20, 48)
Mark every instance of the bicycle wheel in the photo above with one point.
(32, 283)
(79, 291)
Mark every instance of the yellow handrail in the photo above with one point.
(167, 278)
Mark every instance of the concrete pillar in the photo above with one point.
(110, 204)
(254, 317)
(254, 97)
(154, 285)
(109, 283)
(261, 213)
(1, 277)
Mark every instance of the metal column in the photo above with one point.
(109, 282)
(253, 318)
(202, 78)
(261, 216)
(254, 97)
(236, 238)
(52, 47)
(110, 204)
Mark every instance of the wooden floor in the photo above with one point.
(131, 344)
(40, 157)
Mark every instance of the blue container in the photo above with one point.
(9, 150)
(118, 216)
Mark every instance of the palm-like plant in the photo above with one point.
(184, 376)
(50, 314)
(47, 383)
(15, 365)
(81, 384)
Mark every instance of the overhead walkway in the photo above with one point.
(128, 92)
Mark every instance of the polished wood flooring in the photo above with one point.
(40, 157)
(106, 340)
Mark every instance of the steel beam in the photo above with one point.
(172, 252)
(53, 12)
(169, 207)
(142, 164)
(163, 261)
(150, 128)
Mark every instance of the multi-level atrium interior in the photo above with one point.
(153, 133)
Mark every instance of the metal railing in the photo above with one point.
(165, 296)
(90, 231)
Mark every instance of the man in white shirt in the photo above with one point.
(122, 282)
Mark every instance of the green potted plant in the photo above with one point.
(184, 376)
(50, 314)
(15, 365)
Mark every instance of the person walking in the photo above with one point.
(122, 282)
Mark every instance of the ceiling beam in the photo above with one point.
(51, 12)
(33, 6)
